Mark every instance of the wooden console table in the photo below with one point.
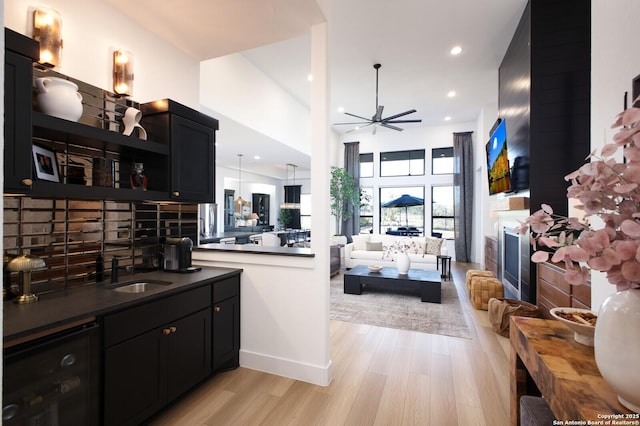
(545, 360)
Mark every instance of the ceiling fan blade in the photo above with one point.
(358, 116)
(402, 121)
(411, 111)
(358, 128)
(374, 130)
(378, 116)
(391, 127)
(354, 122)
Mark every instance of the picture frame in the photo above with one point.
(45, 164)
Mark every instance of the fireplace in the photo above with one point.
(511, 262)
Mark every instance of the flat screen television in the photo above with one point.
(498, 160)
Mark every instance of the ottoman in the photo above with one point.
(471, 273)
(483, 289)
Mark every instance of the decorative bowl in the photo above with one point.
(582, 330)
(375, 268)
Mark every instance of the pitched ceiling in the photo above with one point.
(410, 38)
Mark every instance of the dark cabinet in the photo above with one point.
(292, 195)
(260, 206)
(20, 53)
(178, 155)
(191, 137)
(226, 324)
(154, 353)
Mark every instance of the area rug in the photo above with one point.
(400, 309)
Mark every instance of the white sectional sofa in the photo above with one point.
(376, 249)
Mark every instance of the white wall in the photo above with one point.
(234, 87)
(285, 299)
(614, 63)
(92, 30)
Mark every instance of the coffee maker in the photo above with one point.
(177, 255)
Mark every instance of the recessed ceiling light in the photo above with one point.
(310, 77)
(256, 157)
(447, 118)
(456, 50)
(340, 109)
(451, 93)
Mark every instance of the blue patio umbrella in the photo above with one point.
(405, 201)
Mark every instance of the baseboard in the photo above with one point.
(317, 375)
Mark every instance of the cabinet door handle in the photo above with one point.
(176, 193)
(166, 331)
(217, 309)
(173, 329)
(27, 182)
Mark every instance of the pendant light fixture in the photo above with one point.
(286, 204)
(239, 201)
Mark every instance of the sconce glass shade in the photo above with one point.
(123, 72)
(47, 30)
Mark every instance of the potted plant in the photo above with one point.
(345, 194)
(284, 218)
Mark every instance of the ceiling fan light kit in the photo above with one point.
(377, 120)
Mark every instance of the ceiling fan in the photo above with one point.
(377, 119)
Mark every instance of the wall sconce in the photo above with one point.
(123, 72)
(47, 30)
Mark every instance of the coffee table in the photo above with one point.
(428, 281)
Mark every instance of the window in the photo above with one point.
(442, 161)
(366, 210)
(393, 217)
(305, 211)
(442, 210)
(366, 165)
(402, 163)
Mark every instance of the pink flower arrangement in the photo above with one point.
(609, 190)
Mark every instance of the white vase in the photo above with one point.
(617, 346)
(59, 97)
(404, 263)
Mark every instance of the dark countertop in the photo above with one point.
(257, 249)
(233, 234)
(64, 307)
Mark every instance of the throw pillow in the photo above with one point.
(432, 246)
(374, 246)
(359, 241)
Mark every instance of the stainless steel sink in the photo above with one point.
(139, 286)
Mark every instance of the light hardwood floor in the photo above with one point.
(381, 377)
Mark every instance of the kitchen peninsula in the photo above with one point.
(256, 249)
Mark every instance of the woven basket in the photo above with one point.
(501, 310)
(483, 289)
(472, 273)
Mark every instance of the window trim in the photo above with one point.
(452, 217)
(434, 156)
(366, 154)
(420, 151)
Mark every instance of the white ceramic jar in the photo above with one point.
(59, 97)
